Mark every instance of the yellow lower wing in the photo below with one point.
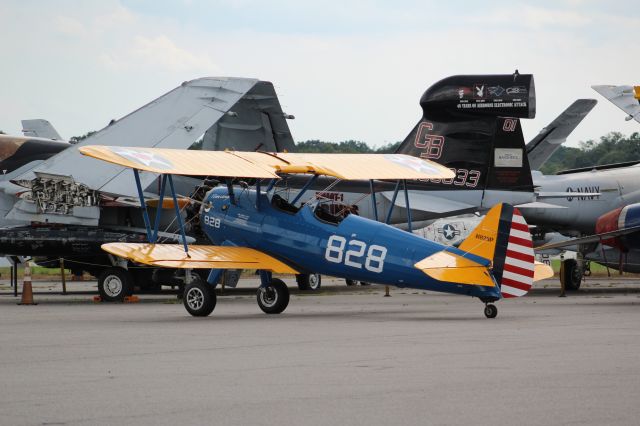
(218, 257)
(445, 266)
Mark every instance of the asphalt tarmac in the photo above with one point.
(342, 357)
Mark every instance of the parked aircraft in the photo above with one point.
(603, 199)
(249, 230)
(590, 200)
(453, 230)
(57, 215)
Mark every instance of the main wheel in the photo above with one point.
(199, 298)
(572, 274)
(490, 311)
(309, 281)
(114, 284)
(274, 298)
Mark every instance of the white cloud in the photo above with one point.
(157, 52)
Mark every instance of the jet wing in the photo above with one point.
(624, 97)
(174, 120)
(199, 257)
(542, 147)
(423, 200)
(596, 238)
(266, 165)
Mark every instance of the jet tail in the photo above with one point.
(471, 124)
(40, 128)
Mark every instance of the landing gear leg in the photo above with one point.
(490, 310)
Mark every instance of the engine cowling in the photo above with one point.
(620, 218)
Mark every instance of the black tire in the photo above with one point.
(310, 282)
(490, 311)
(274, 298)
(199, 298)
(114, 284)
(572, 275)
(351, 282)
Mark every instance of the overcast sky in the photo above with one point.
(345, 69)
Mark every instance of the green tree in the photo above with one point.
(76, 139)
(611, 148)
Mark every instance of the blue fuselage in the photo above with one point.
(355, 248)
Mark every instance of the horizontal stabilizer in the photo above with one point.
(542, 271)
(199, 257)
(446, 266)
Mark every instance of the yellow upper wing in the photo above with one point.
(351, 166)
(218, 257)
(179, 161)
(267, 165)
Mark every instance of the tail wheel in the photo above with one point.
(199, 298)
(490, 311)
(114, 284)
(273, 298)
(309, 281)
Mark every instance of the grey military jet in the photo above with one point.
(602, 209)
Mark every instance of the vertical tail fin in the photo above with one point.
(503, 236)
(471, 123)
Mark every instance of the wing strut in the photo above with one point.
(393, 202)
(152, 234)
(373, 200)
(406, 201)
(180, 223)
(145, 213)
(304, 189)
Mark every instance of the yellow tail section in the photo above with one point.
(447, 266)
(483, 239)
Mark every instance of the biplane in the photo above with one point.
(252, 227)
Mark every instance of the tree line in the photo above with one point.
(611, 148)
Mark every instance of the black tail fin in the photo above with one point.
(471, 123)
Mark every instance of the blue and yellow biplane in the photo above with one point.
(250, 229)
